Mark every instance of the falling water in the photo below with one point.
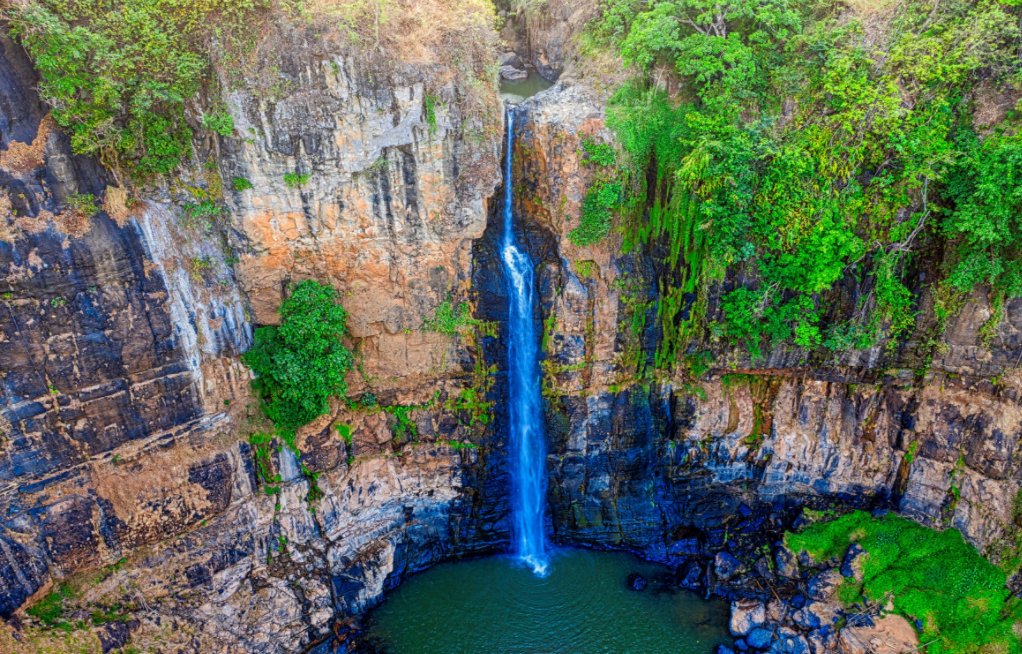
(528, 451)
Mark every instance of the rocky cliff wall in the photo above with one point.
(639, 459)
(126, 411)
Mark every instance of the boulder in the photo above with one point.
(891, 634)
(637, 582)
(786, 563)
(510, 59)
(823, 586)
(746, 615)
(851, 565)
(726, 566)
(690, 576)
(760, 638)
(511, 73)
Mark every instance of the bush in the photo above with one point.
(302, 362)
(241, 184)
(933, 576)
(296, 180)
(118, 75)
(220, 122)
(450, 319)
(597, 213)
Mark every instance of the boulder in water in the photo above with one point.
(637, 582)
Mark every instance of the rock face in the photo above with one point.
(125, 413)
(664, 469)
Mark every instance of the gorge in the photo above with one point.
(752, 248)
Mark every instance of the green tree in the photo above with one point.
(302, 362)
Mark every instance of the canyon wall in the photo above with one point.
(126, 411)
(639, 458)
(126, 415)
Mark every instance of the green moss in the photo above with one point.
(935, 577)
(50, 609)
(597, 213)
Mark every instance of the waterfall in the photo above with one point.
(528, 450)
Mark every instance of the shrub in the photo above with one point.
(82, 203)
(118, 75)
(597, 213)
(450, 318)
(935, 577)
(220, 122)
(302, 362)
(296, 180)
(241, 184)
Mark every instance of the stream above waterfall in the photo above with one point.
(583, 606)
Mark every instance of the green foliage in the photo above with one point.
(82, 203)
(430, 101)
(296, 180)
(986, 224)
(345, 432)
(118, 75)
(598, 154)
(932, 576)
(404, 427)
(302, 362)
(597, 213)
(50, 609)
(219, 121)
(450, 319)
(802, 156)
(241, 184)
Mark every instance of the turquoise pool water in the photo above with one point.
(495, 606)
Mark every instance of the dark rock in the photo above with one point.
(741, 645)
(510, 59)
(786, 563)
(726, 566)
(851, 565)
(824, 585)
(1015, 584)
(637, 582)
(513, 74)
(760, 638)
(690, 576)
(723, 649)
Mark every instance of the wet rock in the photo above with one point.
(851, 565)
(786, 563)
(690, 576)
(726, 566)
(823, 586)
(789, 642)
(511, 73)
(760, 638)
(746, 615)
(636, 582)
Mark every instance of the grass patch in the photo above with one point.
(933, 577)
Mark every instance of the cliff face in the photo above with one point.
(126, 410)
(636, 464)
(126, 413)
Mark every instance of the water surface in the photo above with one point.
(583, 606)
(521, 90)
